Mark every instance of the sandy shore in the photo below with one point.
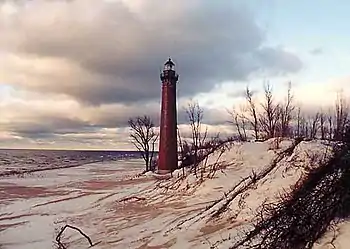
(119, 209)
(33, 207)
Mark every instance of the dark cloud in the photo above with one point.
(46, 127)
(277, 62)
(94, 127)
(117, 52)
(111, 116)
(118, 116)
(106, 57)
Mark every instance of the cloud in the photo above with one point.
(33, 117)
(277, 62)
(317, 51)
(73, 72)
(34, 120)
(29, 124)
(101, 52)
(26, 120)
(240, 93)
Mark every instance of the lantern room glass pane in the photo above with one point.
(168, 67)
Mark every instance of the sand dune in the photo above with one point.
(118, 208)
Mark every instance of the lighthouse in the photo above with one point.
(167, 159)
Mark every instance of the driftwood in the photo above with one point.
(58, 237)
(132, 197)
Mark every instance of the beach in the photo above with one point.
(117, 207)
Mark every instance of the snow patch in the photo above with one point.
(164, 213)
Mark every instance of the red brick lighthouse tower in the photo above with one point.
(167, 161)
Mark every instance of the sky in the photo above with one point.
(73, 72)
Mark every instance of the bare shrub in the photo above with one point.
(275, 143)
(317, 202)
(219, 146)
(238, 120)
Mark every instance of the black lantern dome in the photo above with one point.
(169, 65)
(169, 74)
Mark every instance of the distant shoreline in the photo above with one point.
(75, 150)
(23, 161)
(28, 171)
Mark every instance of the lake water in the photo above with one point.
(24, 161)
(34, 205)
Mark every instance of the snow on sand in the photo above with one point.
(118, 209)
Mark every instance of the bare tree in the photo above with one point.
(299, 123)
(271, 113)
(253, 119)
(314, 125)
(195, 117)
(322, 125)
(306, 126)
(286, 112)
(144, 137)
(239, 121)
(330, 125)
(341, 116)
